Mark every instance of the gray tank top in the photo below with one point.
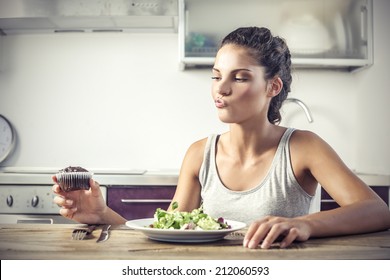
(279, 194)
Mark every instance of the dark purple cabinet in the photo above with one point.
(138, 202)
(327, 203)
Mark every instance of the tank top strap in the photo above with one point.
(208, 168)
(286, 137)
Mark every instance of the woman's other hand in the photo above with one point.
(271, 229)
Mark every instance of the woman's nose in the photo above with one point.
(224, 89)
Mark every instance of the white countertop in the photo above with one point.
(40, 176)
(103, 177)
(375, 179)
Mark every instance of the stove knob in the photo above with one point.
(35, 201)
(10, 200)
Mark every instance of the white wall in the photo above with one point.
(120, 101)
(102, 100)
(373, 95)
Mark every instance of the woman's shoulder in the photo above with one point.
(301, 134)
(196, 150)
(198, 146)
(194, 157)
(305, 137)
(308, 143)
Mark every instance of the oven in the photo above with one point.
(30, 204)
(26, 194)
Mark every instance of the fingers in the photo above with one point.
(276, 230)
(268, 230)
(290, 237)
(71, 202)
(56, 189)
(68, 212)
(62, 199)
(67, 209)
(95, 188)
(94, 185)
(255, 234)
(63, 202)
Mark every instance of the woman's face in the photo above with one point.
(238, 88)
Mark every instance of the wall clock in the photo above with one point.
(7, 138)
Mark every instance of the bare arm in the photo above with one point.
(188, 189)
(360, 211)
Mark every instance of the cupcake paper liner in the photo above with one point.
(73, 181)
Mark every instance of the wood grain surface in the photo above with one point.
(25, 241)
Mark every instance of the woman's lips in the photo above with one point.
(219, 103)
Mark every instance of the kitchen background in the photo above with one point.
(119, 101)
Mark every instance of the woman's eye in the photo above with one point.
(237, 79)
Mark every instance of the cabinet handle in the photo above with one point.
(363, 24)
(327, 200)
(34, 221)
(146, 200)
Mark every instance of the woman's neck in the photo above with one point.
(249, 141)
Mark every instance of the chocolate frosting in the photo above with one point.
(73, 169)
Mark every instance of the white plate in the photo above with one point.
(187, 236)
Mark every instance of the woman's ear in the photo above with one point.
(275, 86)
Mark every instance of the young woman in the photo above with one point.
(258, 172)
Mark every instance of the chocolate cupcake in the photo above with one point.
(73, 178)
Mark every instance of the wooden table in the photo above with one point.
(53, 242)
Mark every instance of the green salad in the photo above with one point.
(194, 220)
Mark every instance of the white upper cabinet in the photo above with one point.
(320, 33)
(48, 16)
(1, 52)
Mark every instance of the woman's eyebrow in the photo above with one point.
(235, 70)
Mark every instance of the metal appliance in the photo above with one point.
(30, 204)
(26, 193)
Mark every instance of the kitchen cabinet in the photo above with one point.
(54, 16)
(320, 33)
(327, 203)
(137, 202)
(1, 52)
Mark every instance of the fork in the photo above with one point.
(83, 233)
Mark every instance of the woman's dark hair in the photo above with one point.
(270, 52)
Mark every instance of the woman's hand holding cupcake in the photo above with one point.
(81, 199)
(83, 206)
